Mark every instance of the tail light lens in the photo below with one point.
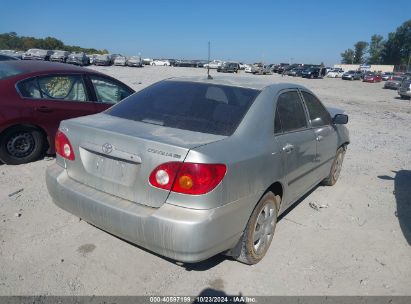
(63, 146)
(188, 178)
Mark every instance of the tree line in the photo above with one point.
(395, 50)
(11, 41)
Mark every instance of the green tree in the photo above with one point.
(347, 56)
(359, 51)
(20, 43)
(375, 49)
(398, 46)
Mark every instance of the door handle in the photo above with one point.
(320, 138)
(44, 109)
(288, 148)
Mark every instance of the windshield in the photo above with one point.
(198, 107)
(7, 71)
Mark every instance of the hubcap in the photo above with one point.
(264, 228)
(20, 144)
(338, 166)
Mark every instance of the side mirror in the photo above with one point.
(340, 119)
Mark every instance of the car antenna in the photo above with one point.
(208, 65)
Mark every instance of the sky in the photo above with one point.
(247, 31)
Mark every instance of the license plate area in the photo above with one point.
(109, 168)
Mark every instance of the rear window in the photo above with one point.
(7, 70)
(199, 107)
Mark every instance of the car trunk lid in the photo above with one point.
(116, 155)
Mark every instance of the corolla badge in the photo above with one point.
(107, 148)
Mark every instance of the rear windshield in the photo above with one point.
(8, 71)
(199, 107)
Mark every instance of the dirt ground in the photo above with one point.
(358, 245)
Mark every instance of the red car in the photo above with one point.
(372, 78)
(36, 95)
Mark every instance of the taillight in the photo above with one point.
(188, 178)
(63, 146)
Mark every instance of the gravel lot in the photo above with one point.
(359, 245)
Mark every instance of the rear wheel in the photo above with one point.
(259, 232)
(21, 145)
(335, 168)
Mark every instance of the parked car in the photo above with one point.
(160, 62)
(187, 63)
(242, 65)
(12, 53)
(351, 75)
(29, 54)
(79, 58)
(37, 54)
(313, 73)
(201, 63)
(165, 168)
(104, 59)
(4, 57)
(280, 68)
(372, 77)
(135, 61)
(387, 76)
(405, 89)
(394, 83)
(41, 55)
(36, 96)
(229, 67)
(215, 64)
(147, 61)
(264, 70)
(59, 56)
(248, 68)
(120, 60)
(335, 73)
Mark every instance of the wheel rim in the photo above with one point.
(264, 228)
(338, 166)
(20, 145)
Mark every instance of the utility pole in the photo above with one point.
(409, 59)
(208, 66)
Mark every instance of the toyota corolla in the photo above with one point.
(192, 167)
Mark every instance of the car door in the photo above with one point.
(325, 134)
(107, 91)
(297, 144)
(56, 97)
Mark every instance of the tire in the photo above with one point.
(251, 252)
(312, 76)
(405, 97)
(335, 170)
(21, 145)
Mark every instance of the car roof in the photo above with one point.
(34, 66)
(244, 82)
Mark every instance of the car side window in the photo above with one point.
(29, 88)
(108, 91)
(62, 87)
(319, 116)
(291, 112)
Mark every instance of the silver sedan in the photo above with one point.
(192, 167)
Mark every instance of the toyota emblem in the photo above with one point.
(107, 148)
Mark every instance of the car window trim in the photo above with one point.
(16, 87)
(308, 125)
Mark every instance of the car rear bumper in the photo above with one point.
(182, 234)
